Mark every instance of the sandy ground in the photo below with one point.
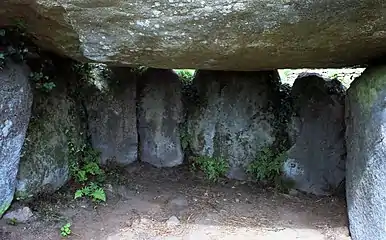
(141, 199)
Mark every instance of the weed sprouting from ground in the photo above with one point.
(65, 230)
(267, 165)
(85, 171)
(213, 167)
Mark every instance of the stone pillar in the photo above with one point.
(55, 123)
(316, 161)
(15, 111)
(366, 155)
(233, 117)
(111, 109)
(160, 112)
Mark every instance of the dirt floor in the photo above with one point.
(141, 199)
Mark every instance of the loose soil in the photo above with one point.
(141, 199)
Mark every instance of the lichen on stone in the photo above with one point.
(365, 88)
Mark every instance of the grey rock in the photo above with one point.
(111, 108)
(55, 123)
(366, 154)
(21, 215)
(160, 114)
(316, 162)
(173, 222)
(15, 111)
(232, 118)
(260, 34)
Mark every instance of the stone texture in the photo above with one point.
(44, 165)
(366, 154)
(15, 111)
(211, 34)
(111, 108)
(160, 113)
(232, 118)
(316, 161)
(21, 215)
(173, 222)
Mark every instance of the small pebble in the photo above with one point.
(173, 222)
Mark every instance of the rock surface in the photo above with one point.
(226, 35)
(316, 162)
(15, 111)
(366, 154)
(160, 112)
(232, 119)
(21, 215)
(55, 122)
(111, 108)
(173, 222)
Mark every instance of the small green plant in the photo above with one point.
(184, 136)
(185, 75)
(92, 191)
(65, 230)
(42, 81)
(12, 221)
(85, 170)
(267, 166)
(213, 167)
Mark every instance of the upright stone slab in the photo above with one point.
(55, 122)
(15, 111)
(366, 155)
(233, 118)
(160, 113)
(316, 161)
(111, 108)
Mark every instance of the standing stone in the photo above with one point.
(111, 108)
(316, 161)
(55, 122)
(160, 114)
(15, 111)
(366, 155)
(233, 119)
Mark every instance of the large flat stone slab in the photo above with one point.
(208, 34)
